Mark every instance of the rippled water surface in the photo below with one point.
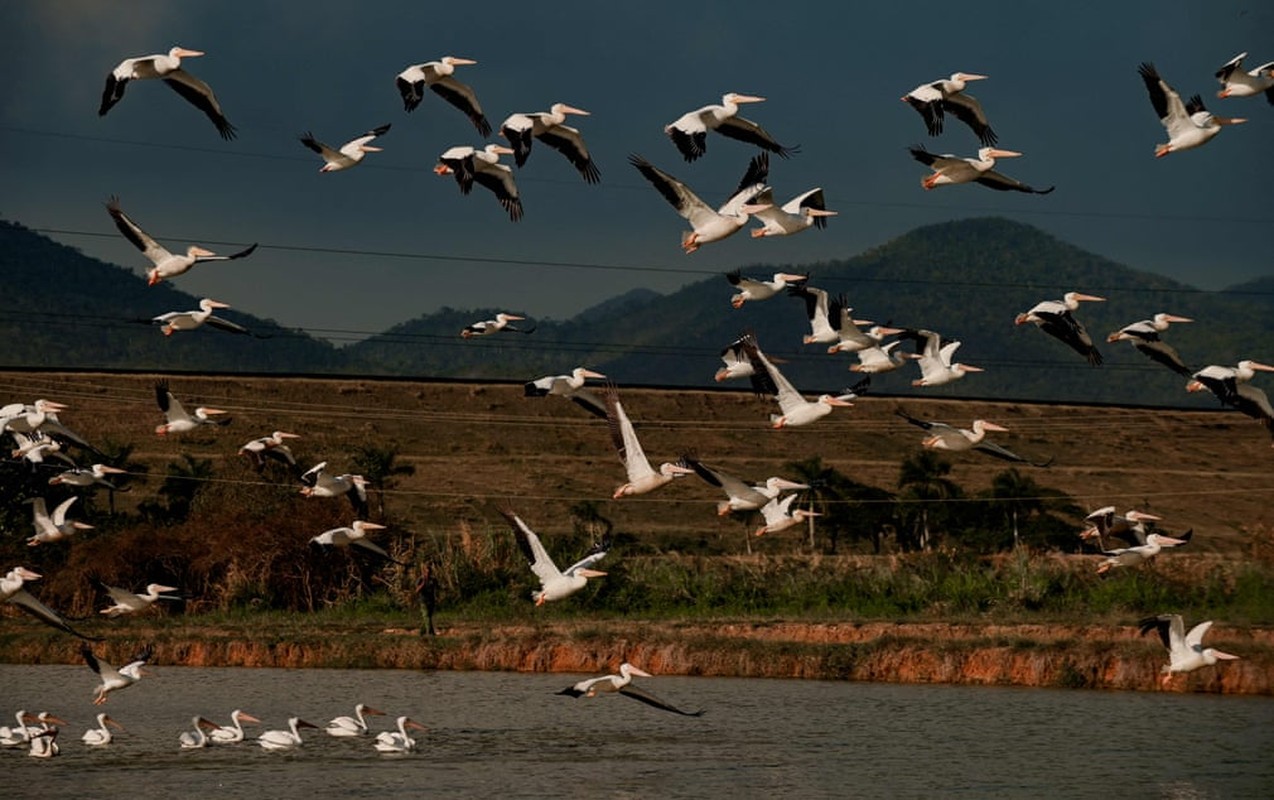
(510, 734)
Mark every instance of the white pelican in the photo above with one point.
(1186, 652)
(355, 725)
(756, 289)
(689, 132)
(932, 99)
(949, 169)
(349, 154)
(232, 733)
(114, 679)
(175, 321)
(22, 732)
(706, 224)
(736, 364)
(935, 363)
(12, 591)
(805, 211)
(197, 738)
(1132, 556)
(36, 447)
(285, 740)
(779, 515)
(555, 584)
(437, 76)
(501, 322)
(623, 684)
(44, 744)
(1055, 318)
(56, 527)
(1189, 125)
(948, 437)
(127, 602)
(642, 477)
(850, 337)
(796, 410)
(398, 741)
(1144, 335)
(271, 446)
(177, 419)
(167, 265)
(29, 418)
(884, 358)
(823, 313)
(101, 735)
(167, 67)
(569, 386)
(354, 535)
(740, 496)
(1231, 386)
(1130, 527)
(550, 128)
(80, 477)
(320, 483)
(1238, 83)
(471, 165)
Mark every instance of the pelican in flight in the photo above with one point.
(349, 154)
(437, 76)
(356, 725)
(167, 265)
(1238, 83)
(285, 740)
(1130, 526)
(851, 338)
(740, 496)
(320, 483)
(689, 132)
(949, 169)
(398, 741)
(821, 311)
(12, 591)
(271, 446)
(354, 536)
(623, 684)
(473, 165)
(178, 420)
(115, 679)
(232, 733)
(40, 416)
(795, 410)
(779, 515)
(642, 477)
(555, 584)
(1132, 556)
(550, 127)
(175, 321)
(94, 475)
(1056, 318)
(736, 365)
(948, 437)
(101, 735)
(757, 289)
(805, 211)
(127, 602)
(706, 224)
(884, 358)
(1186, 652)
(936, 367)
(1144, 335)
(197, 738)
(1189, 125)
(36, 447)
(167, 67)
(932, 100)
(1231, 386)
(569, 386)
(55, 527)
(501, 322)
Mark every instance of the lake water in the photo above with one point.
(509, 735)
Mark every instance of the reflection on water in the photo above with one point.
(509, 733)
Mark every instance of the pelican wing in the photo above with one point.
(996, 451)
(153, 250)
(1160, 351)
(589, 402)
(227, 325)
(642, 696)
(200, 95)
(812, 199)
(752, 183)
(59, 513)
(462, 97)
(323, 150)
(1003, 183)
(1194, 639)
(499, 180)
(596, 553)
(788, 398)
(968, 110)
(1171, 630)
(567, 141)
(732, 486)
(675, 192)
(28, 603)
(625, 440)
(1167, 103)
(745, 130)
(529, 543)
(926, 99)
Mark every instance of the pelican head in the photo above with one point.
(627, 669)
(1211, 655)
(508, 317)
(25, 574)
(965, 77)
(836, 402)
(1141, 516)
(49, 406)
(992, 153)
(1167, 319)
(367, 148)
(498, 149)
(590, 573)
(988, 426)
(1163, 541)
(359, 525)
(582, 372)
(157, 588)
(1229, 120)
(670, 470)
(563, 108)
(208, 304)
(734, 98)
(456, 61)
(181, 52)
(1247, 365)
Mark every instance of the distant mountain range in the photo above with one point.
(965, 279)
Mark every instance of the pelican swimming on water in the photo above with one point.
(55, 527)
(13, 591)
(126, 602)
(101, 735)
(1238, 83)
(349, 154)
(232, 733)
(1144, 335)
(1186, 652)
(740, 495)
(175, 321)
(177, 419)
(569, 386)
(1056, 318)
(642, 477)
(285, 740)
(555, 584)
(115, 679)
(949, 169)
(353, 726)
(550, 127)
(21, 733)
(438, 77)
(197, 738)
(1231, 386)
(168, 68)
(166, 264)
(689, 132)
(44, 744)
(932, 99)
(757, 289)
(794, 409)
(623, 684)
(805, 211)
(707, 225)
(398, 741)
(1189, 125)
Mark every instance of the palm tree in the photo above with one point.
(1019, 496)
(923, 481)
(380, 466)
(826, 492)
(185, 479)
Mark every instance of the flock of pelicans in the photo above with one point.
(39, 435)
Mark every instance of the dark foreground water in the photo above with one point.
(508, 735)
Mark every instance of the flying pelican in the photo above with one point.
(935, 360)
(471, 165)
(113, 679)
(1130, 527)
(30, 418)
(756, 289)
(689, 132)
(193, 740)
(779, 515)
(56, 527)
(1144, 335)
(271, 446)
(81, 477)
(320, 483)
(737, 365)
(1055, 318)
(349, 154)
(355, 725)
(167, 67)
(555, 584)
(949, 169)
(167, 265)
(875, 360)
(932, 99)
(1132, 556)
(805, 211)
(232, 733)
(1231, 387)
(623, 684)
(127, 602)
(821, 311)
(1186, 652)
(851, 338)
(550, 128)
(36, 447)
(44, 744)
(740, 496)
(569, 386)
(101, 735)
(501, 322)
(285, 740)
(642, 477)
(1189, 125)
(796, 410)
(175, 321)
(1238, 83)
(437, 76)
(706, 224)
(353, 536)
(398, 741)
(178, 421)
(12, 591)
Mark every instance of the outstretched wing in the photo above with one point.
(642, 696)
